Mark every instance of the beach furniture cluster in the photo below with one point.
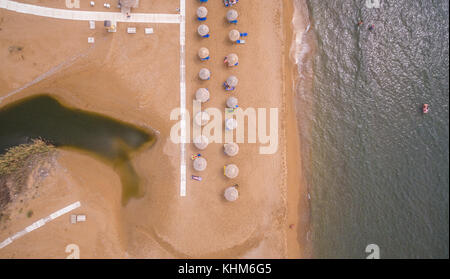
(77, 218)
(111, 26)
(202, 95)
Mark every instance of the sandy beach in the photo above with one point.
(136, 78)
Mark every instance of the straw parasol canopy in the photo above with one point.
(202, 95)
(234, 35)
(202, 12)
(231, 124)
(232, 81)
(232, 59)
(232, 102)
(232, 15)
(231, 149)
(202, 118)
(203, 53)
(200, 164)
(201, 142)
(203, 30)
(231, 194)
(204, 74)
(231, 171)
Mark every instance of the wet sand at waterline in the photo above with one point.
(135, 79)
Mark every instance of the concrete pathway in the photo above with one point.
(87, 15)
(119, 17)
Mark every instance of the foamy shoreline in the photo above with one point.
(296, 23)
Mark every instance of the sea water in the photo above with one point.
(377, 168)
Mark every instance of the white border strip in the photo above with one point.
(40, 223)
(183, 98)
(87, 15)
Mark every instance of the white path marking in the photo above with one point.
(183, 98)
(87, 15)
(40, 223)
(119, 17)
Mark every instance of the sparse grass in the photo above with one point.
(16, 158)
(17, 164)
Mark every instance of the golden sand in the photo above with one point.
(135, 78)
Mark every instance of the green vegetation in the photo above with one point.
(17, 164)
(18, 157)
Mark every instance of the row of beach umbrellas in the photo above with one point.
(203, 95)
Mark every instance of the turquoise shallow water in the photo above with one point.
(377, 168)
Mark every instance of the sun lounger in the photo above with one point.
(131, 30)
(195, 177)
(81, 218)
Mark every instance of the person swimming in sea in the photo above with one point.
(371, 27)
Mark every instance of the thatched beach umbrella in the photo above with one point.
(232, 59)
(232, 81)
(203, 30)
(231, 171)
(203, 53)
(232, 102)
(231, 194)
(231, 149)
(200, 164)
(202, 95)
(201, 142)
(230, 124)
(204, 74)
(234, 35)
(202, 12)
(202, 118)
(232, 15)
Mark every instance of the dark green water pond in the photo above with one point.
(110, 140)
